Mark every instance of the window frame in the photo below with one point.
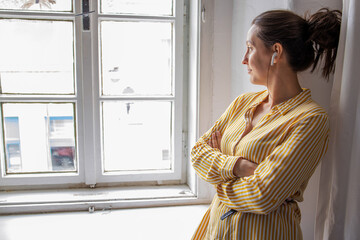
(87, 116)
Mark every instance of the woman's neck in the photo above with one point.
(283, 87)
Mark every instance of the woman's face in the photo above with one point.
(257, 58)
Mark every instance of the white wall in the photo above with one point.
(222, 56)
(229, 78)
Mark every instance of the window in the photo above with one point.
(92, 91)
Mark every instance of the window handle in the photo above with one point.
(84, 13)
(203, 16)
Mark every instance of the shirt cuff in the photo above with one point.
(227, 168)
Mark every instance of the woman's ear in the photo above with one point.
(278, 49)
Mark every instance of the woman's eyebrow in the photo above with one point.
(250, 42)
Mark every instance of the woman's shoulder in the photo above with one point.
(311, 111)
(312, 108)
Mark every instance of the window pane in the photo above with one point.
(136, 58)
(37, 57)
(37, 5)
(137, 135)
(145, 7)
(12, 138)
(39, 137)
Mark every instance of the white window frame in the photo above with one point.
(88, 115)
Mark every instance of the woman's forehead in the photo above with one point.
(251, 35)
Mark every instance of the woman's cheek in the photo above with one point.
(251, 60)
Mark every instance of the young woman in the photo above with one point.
(263, 150)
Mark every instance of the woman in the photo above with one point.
(263, 150)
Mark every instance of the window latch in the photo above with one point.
(85, 15)
(203, 16)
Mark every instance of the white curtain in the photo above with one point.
(338, 211)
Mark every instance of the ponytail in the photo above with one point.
(324, 31)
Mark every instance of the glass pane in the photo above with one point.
(144, 7)
(137, 135)
(37, 57)
(37, 5)
(137, 60)
(39, 137)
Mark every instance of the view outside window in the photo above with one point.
(37, 57)
(137, 60)
(137, 135)
(39, 137)
(62, 142)
(140, 7)
(37, 5)
(12, 143)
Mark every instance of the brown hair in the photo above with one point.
(305, 40)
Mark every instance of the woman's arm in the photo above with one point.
(242, 167)
(283, 172)
(209, 162)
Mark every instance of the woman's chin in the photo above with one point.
(256, 81)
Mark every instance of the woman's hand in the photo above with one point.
(215, 140)
(244, 168)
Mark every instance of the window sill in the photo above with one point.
(16, 202)
(160, 223)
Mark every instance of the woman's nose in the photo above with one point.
(245, 60)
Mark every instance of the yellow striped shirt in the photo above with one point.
(287, 143)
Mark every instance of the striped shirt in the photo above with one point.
(287, 143)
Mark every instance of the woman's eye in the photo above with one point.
(250, 48)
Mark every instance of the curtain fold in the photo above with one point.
(338, 212)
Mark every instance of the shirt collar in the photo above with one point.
(287, 105)
(293, 102)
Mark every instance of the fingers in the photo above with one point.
(215, 140)
(244, 168)
(218, 138)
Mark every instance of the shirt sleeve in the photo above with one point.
(209, 163)
(283, 172)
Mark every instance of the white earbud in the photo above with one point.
(273, 58)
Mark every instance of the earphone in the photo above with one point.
(271, 64)
(273, 58)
